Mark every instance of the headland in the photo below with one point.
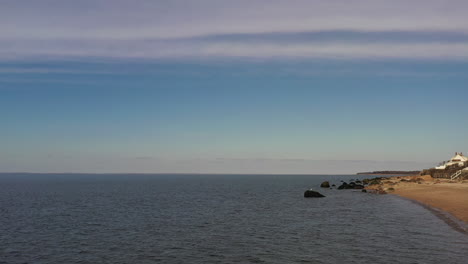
(389, 173)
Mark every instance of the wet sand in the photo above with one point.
(442, 194)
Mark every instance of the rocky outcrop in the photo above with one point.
(325, 184)
(373, 181)
(351, 185)
(312, 194)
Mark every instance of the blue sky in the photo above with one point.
(237, 87)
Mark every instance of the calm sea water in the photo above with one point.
(213, 219)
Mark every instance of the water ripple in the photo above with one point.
(213, 219)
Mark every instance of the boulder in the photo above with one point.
(344, 185)
(311, 193)
(325, 184)
(358, 187)
(351, 185)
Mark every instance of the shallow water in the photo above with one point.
(213, 219)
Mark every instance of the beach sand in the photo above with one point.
(442, 194)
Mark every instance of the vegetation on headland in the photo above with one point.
(389, 173)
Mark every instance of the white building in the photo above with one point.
(458, 159)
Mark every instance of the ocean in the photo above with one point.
(125, 218)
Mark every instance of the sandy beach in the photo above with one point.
(442, 194)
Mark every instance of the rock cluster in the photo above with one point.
(351, 185)
(355, 185)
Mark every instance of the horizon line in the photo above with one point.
(190, 173)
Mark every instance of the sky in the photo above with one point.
(215, 86)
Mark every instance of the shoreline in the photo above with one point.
(445, 198)
(455, 223)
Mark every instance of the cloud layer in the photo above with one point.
(253, 29)
(220, 165)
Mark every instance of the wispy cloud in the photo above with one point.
(221, 48)
(247, 29)
(47, 70)
(120, 19)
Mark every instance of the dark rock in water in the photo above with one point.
(343, 186)
(325, 184)
(364, 190)
(351, 185)
(333, 185)
(310, 193)
(358, 186)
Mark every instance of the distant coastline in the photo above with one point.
(389, 173)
